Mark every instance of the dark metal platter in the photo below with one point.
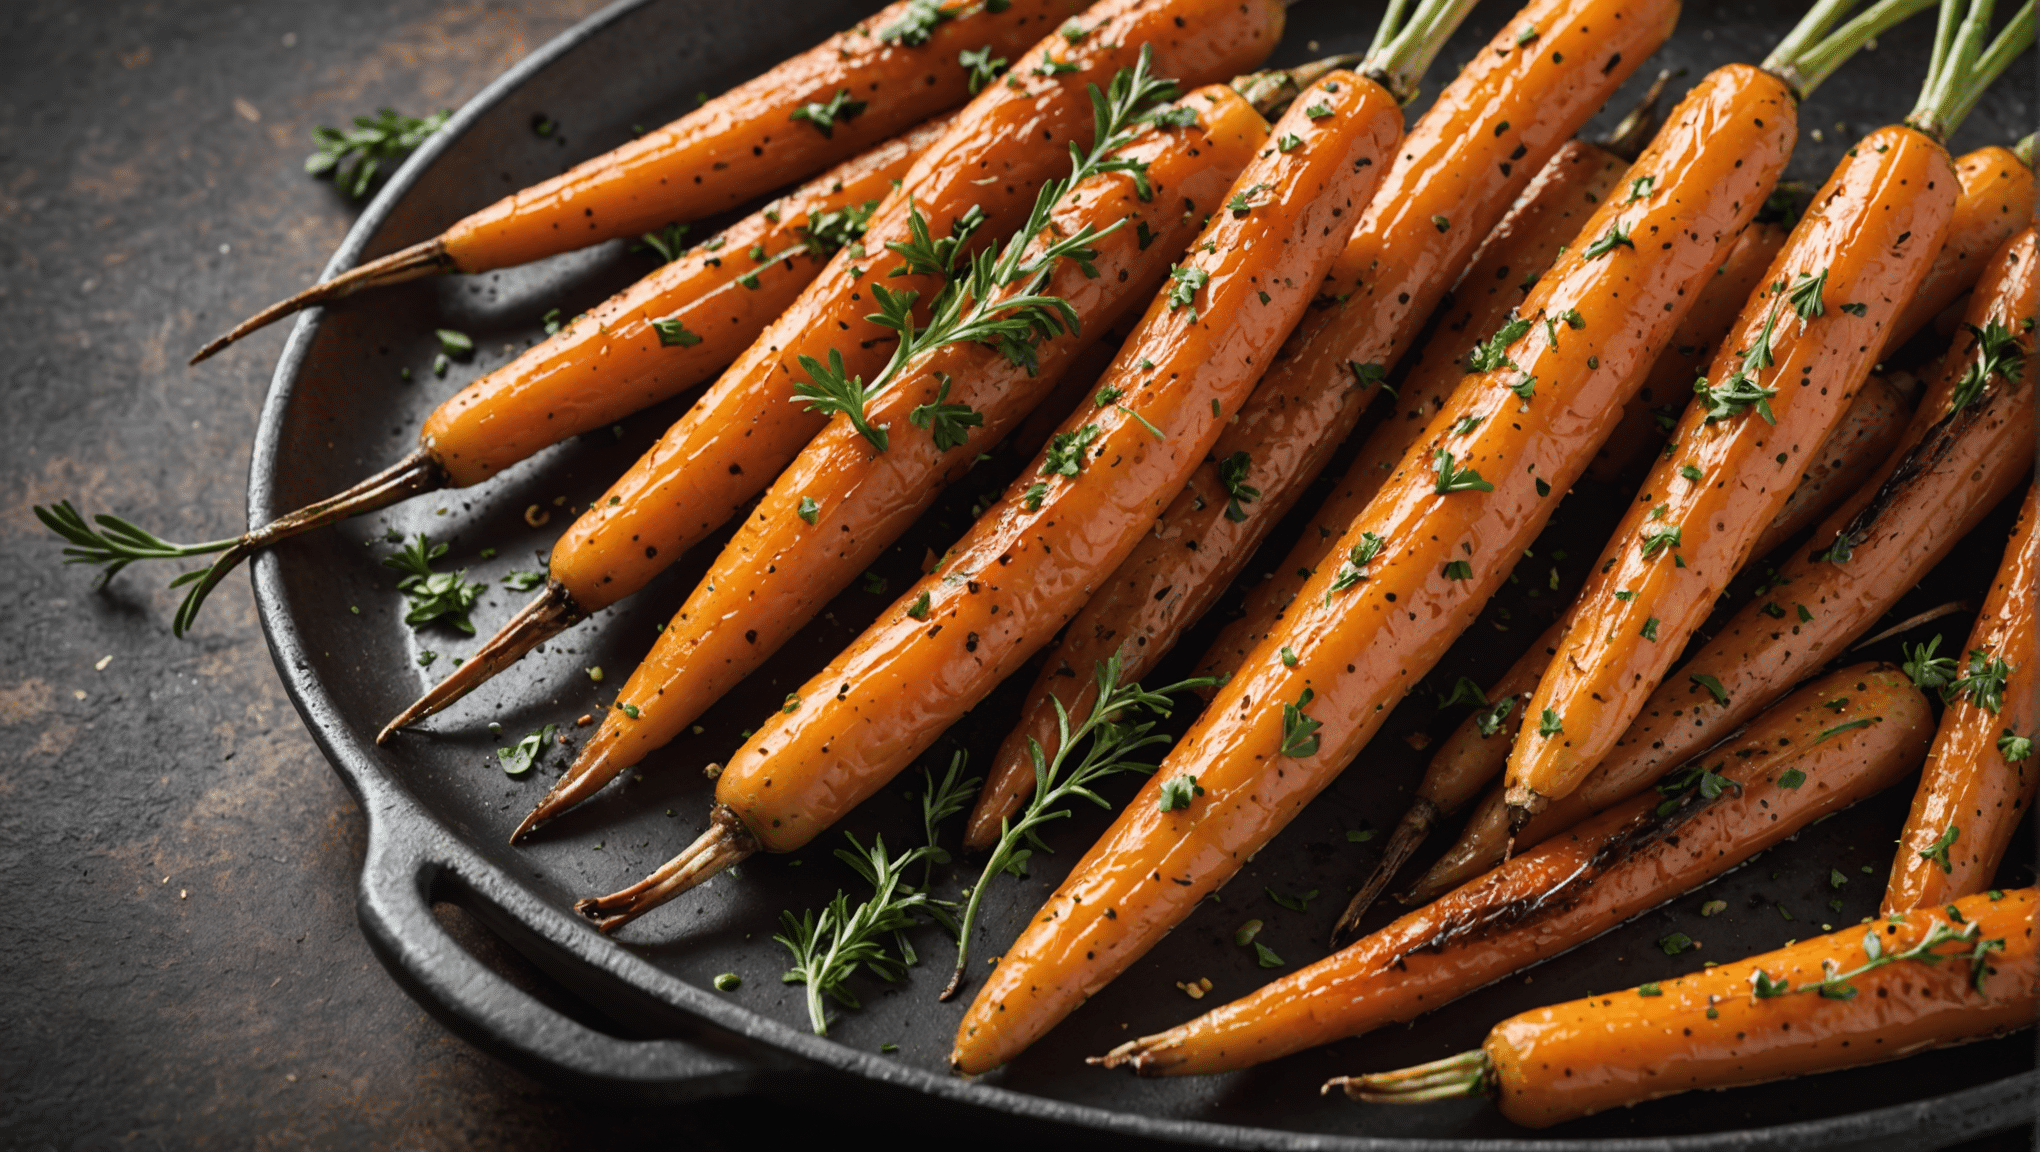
(439, 808)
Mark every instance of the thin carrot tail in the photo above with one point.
(1147, 1056)
(1640, 126)
(427, 258)
(726, 842)
(583, 780)
(551, 614)
(1409, 832)
(1474, 853)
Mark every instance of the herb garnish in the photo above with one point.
(1617, 237)
(828, 950)
(1834, 985)
(1232, 472)
(1452, 479)
(1299, 732)
(433, 595)
(2001, 355)
(950, 423)
(526, 753)
(355, 157)
(825, 116)
(1353, 571)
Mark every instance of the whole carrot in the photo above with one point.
(661, 336)
(835, 100)
(843, 500)
(1802, 760)
(1802, 346)
(1957, 464)
(1980, 776)
(1424, 393)
(1026, 564)
(1422, 560)
(1863, 995)
(1491, 129)
(752, 422)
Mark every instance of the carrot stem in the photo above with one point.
(1809, 54)
(1464, 1074)
(1399, 64)
(2011, 42)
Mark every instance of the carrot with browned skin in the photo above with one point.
(1492, 128)
(817, 109)
(842, 502)
(1028, 563)
(1429, 551)
(1980, 776)
(1957, 464)
(1805, 759)
(1802, 346)
(1863, 995)
(752, 422)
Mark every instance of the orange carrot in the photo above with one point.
(1954, 468)
(817, 109)
(1980, 777)
(840, 504)
(1429, 551)
(1801, 761)
(1860, 996)
(751, 423)
(1029, 562)
(1801, 348)
(1491, 129)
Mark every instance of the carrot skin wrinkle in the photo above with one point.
(779, 569)
(1358, 650)
(1489, 132)
(1872, 232)
(1576, 885)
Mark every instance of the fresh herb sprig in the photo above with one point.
(1834, 985)
(971, 307)
(1111, 739)
(1999, 354)
(830, 948)
(118, 543)
(434, 595)
(355, 157)
(938, 803)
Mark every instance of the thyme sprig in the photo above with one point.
(938, 803)
(1111, 739)
(830, 948)
(2000, 354)
(1834, 985)
(995, 299)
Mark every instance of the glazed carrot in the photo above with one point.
(1802, 346)
(663, 335)
(1491, 129)
(751, 423)
(1028, 563)
(1978, 784)
(817, 109)
(1799, 762)
(1954, 468)
(1996, 199)
(1863, 995)
(1423, 395)
(1424, 557)
(840, 504)
(1870, 431)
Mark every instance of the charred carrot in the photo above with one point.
(1864, 995)
(1802, 346)
(840, 503)
(1980, 776)
(752, 421)
(859, 87)
(1418, 566)
(1802, 760)
(663, 335)
(1492, 128)
(1026, 565)
(1957, 464)
(1425, 393)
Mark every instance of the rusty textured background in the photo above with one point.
(179, 960)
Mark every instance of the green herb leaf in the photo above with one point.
(355, 157)
(1177, 793)
(1299, 732)
(824, 117)
(1232, 473)
(1712, 685)
(1550, 724)
(1453, 479)
(1937, 852)
(1616, 237)
(673, 333)
(1293, 903)
(526, 753)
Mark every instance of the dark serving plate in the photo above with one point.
(439, 808)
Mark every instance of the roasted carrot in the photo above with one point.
(817, 109)
(1863, 995)
(1799, 762)
(840, 503)
(1980, 776)
(1423, 559)
(663, 335)
(1423, 395)
(1027, 564)
(1802, 346)
(1955, 467)
(1996, 199)
(751, 422)
(1491, 129)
